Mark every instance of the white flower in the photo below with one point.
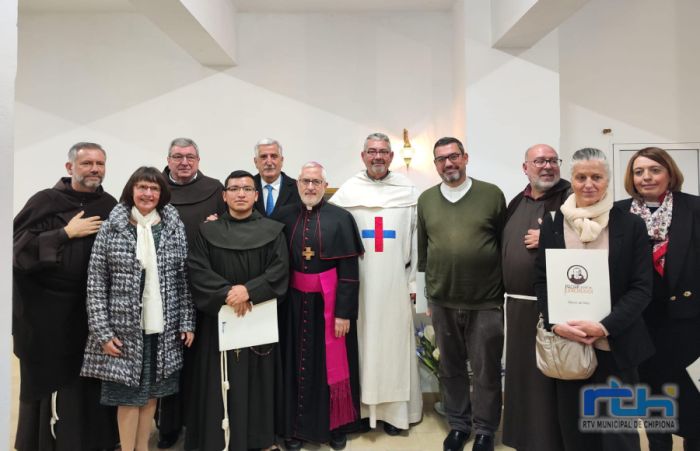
(436, 354)
(430, 333)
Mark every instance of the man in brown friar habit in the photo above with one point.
(317, 329)
(53, 236)
(196, 197)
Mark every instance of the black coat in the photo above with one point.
(289, 194)
(630, 282)
(682, 267)
(49, 321)
(673, 316)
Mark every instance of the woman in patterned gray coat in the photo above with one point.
(140, 311)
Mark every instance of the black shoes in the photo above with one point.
(364, 426)
(483, 443)
(292, 444)
(390, 429)
(166, 441)
(338, 440)
(455, 441)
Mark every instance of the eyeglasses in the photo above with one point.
(453, 157)
(380, 152)
(146, 188)
(542, 162)
(314, 182)
(189, 157)
(238, 189)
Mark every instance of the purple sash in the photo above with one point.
(342, 410)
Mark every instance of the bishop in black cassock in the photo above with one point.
(324, 246)
(227, 252)
(49, 320)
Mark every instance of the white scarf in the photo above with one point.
(589, 221)
(152, 311)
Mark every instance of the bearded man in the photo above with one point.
(318, 333)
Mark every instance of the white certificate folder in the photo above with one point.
(578, 284)
(257, 327)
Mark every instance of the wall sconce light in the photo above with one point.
(407, 151)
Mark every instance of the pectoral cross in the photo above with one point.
(308, 253)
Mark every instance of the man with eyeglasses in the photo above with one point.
(529, 422)
(317, 330)
(239, 260)
(383, 204)
(275, 187)
(196, 197)
(53, 237)
(460, 222)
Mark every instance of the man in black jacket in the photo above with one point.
(275, 188)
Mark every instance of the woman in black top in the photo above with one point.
(588, 220)
(673, 317)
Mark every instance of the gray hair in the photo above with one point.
(314, 164)
(183, 142)
(77, 147)
(377, 137)
(590, 154)
(266, 142)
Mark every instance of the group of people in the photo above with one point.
(652, 331)
(116, 304)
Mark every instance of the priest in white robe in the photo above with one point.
(383, 204)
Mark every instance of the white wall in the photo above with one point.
(319, 83)
(459, 66)
(512, 101)
(631, 66)
(8, 67)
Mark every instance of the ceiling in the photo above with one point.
(340, 5)
(264, 6)
(41, 6)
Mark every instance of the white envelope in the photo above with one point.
(694, 373)
(578, 284)
(257, 327)
(421, 300)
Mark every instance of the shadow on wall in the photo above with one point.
(80, 68)
(366, 68)
(372, 69)
(635, 62)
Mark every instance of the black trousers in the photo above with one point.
(569, 409)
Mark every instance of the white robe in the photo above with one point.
(389, 380)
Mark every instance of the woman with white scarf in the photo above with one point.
(673, 317)
(587, 220)
(140, 311)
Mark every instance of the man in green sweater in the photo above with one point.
(460, 222)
